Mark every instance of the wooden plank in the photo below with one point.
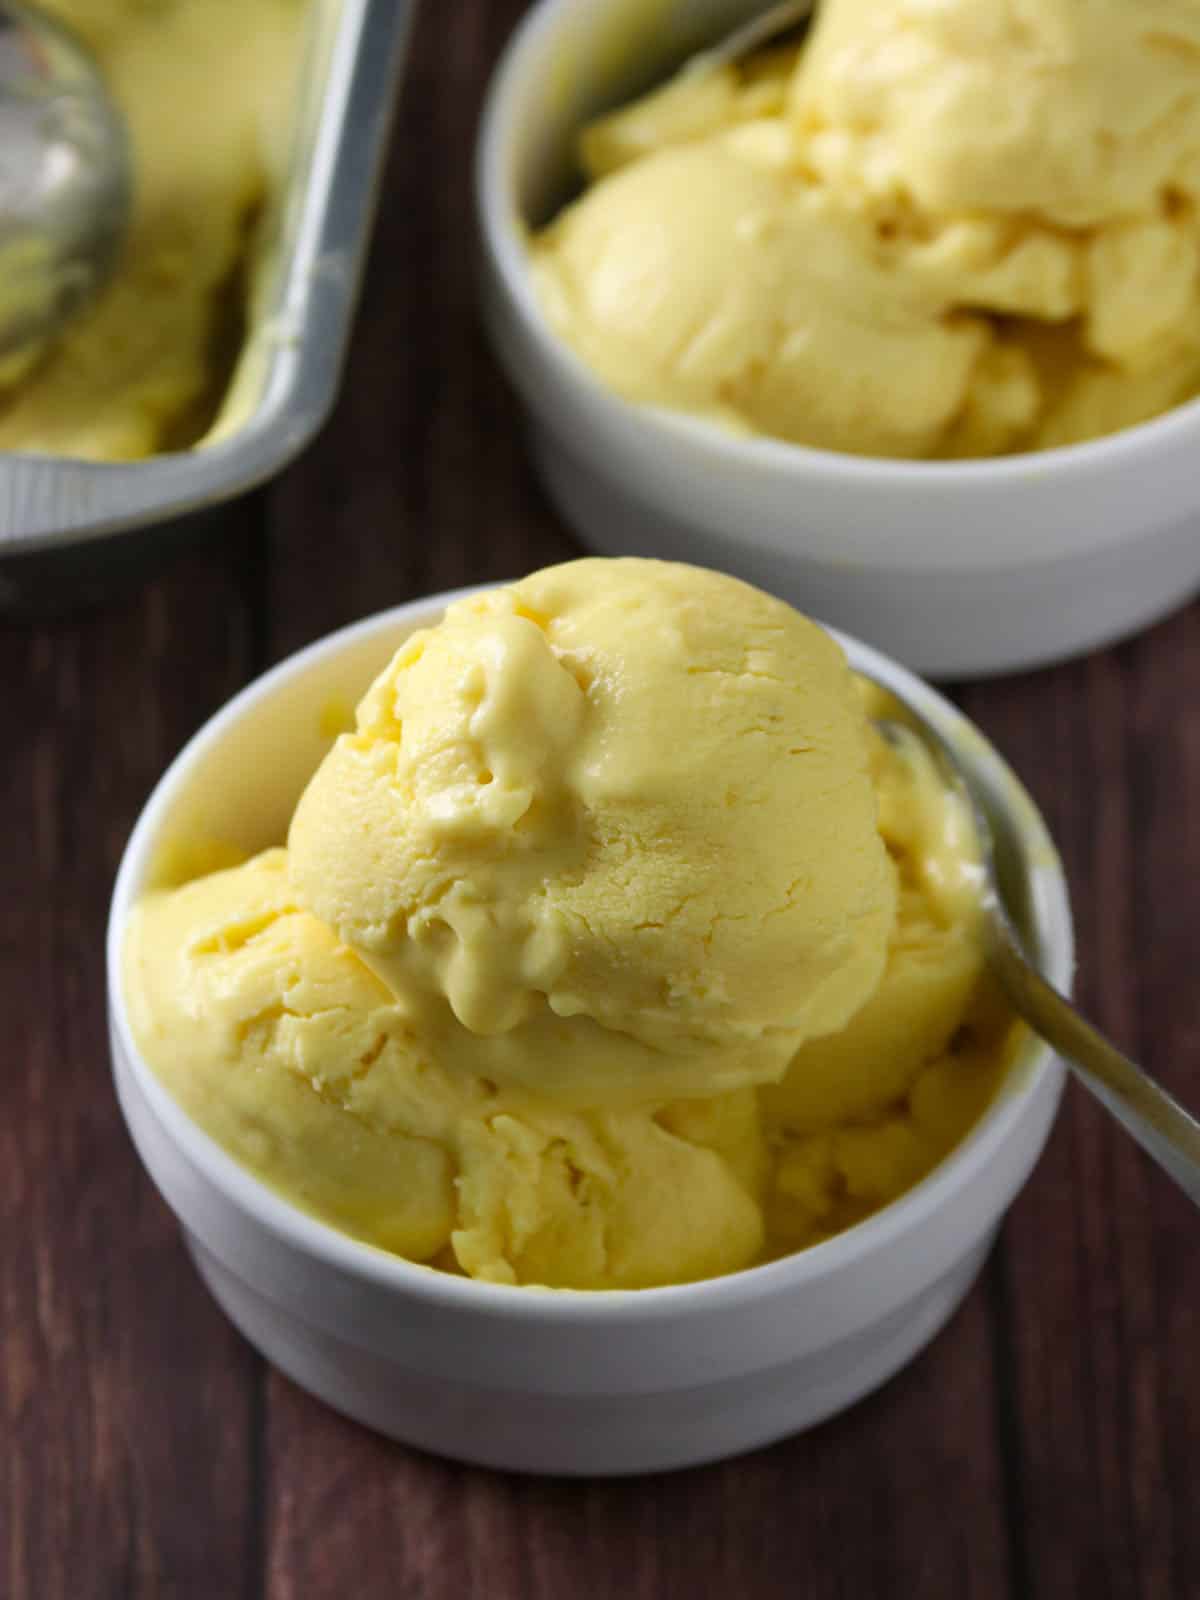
(127, 1404)
(901, 1496)
(1103, 1312)
(1165, 828)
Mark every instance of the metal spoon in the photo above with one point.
(65, 178)
(752, 35)
(1168, 1133)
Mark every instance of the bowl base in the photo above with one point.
(585, 1435)
(947, 624)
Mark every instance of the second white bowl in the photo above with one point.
(956, 568)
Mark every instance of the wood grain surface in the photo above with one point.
(1046, 1446)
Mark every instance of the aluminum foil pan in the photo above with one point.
(65, 524)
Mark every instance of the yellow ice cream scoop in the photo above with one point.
(710, 277)
(290, 1052)
(1077, 112)
(608, 833)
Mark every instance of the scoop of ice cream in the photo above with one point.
(952, 229)
(863, 1114)
(610, 834)
(1067, 133)
(934, 961)
(709, 277)
(293, 1056)
(1079, 112)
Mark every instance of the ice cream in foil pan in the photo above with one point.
(258, 134)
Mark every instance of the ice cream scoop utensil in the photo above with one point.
(65, 177)
(1168, 1133)
(752, 35)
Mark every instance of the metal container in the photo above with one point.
(67, 526)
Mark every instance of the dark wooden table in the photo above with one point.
(1047, 1445)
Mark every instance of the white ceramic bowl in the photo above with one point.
(956, 568)
(537, 1380)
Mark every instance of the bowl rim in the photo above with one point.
(1145, 442)
(308, 1234)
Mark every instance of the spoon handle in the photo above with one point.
(752, 35)
(1166, 1132)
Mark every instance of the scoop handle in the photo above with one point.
(752, 35)
(1166, 1132)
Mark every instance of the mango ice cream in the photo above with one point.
(613, 947)
(939, 230)
(608, 833)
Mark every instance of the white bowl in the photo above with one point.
(956, 568)
(540, 1380)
